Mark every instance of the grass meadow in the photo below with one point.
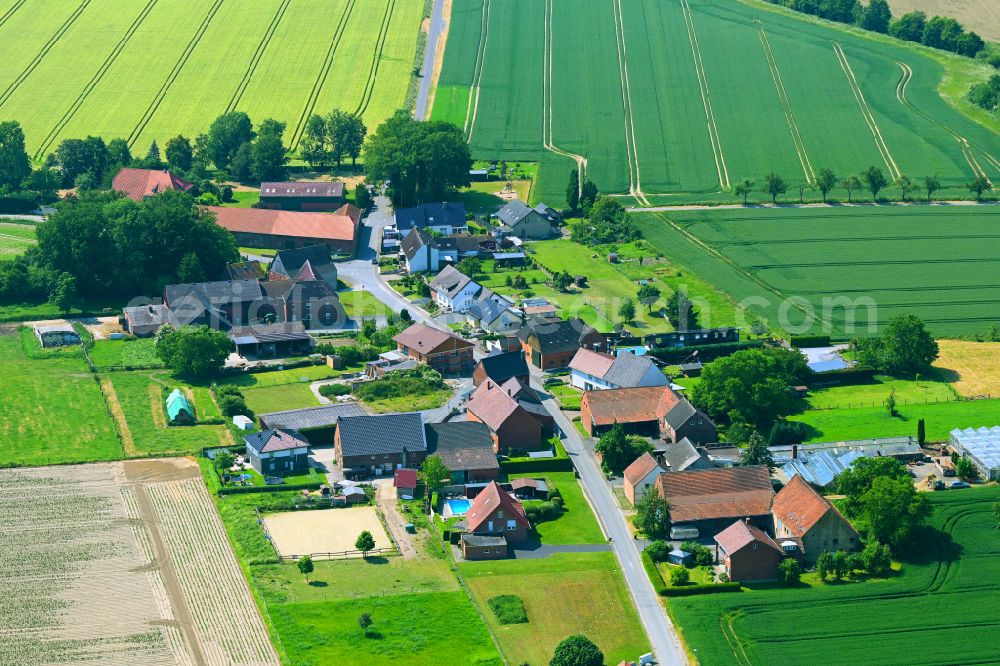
(577, 524)
(705, 94)
(932, 261)
(51, 409)
(564, 594)
(71, 69)
(945, 595)
(15, 239)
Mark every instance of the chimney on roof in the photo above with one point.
(795, 451)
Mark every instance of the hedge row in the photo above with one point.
(801, 341)
(654, 574)
(705, 352)
(707, 588)
(525, 465)
(248, 490)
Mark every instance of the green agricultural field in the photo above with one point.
(689, 97)
(936, 262)
(951, 581)
(51, 409)
(130, 352)
(71, 69)
(564, 594)
(15, 239)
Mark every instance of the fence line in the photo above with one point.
(338, 555)
(899, 403)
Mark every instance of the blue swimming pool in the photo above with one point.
(457, 507)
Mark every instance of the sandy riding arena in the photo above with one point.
(296, 533)
(121, 563)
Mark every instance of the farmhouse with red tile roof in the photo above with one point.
(259, 227)
(748, 553)
(803, 515)
(141, 184)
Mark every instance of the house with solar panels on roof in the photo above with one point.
(302, 196)
(278, 452)
(821, 463)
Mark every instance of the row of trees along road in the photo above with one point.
(872, 180)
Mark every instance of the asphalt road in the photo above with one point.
(662, 635)
(427, 71)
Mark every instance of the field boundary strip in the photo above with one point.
(786, 104)
(44, 51)
(174, 73)
(866, 111)
(366, 96)
(635, 181)
(94, 80)
(324, 71)
(10, 12)
(547, 134)
(265, 41)
(472, 107)
(699, 68)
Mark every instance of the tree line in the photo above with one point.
(873, 180)
(937, 32)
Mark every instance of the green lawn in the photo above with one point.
(140, 395)
(15, 238)
(244, 199)
(568, 396)
(951, 576)
(874, 394)
(564, 594)
(359, 304)
(51, 409)
(577, 524)
(873, 422)
(410, 403)
(279, 397)
(134, 352)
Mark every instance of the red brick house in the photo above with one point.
(287, 230)
(808, 519)
(517, 422)
(494, 513)
(445, 352)
(633, 408)
(551, 344)
(142, 184)
(748, 553)
(640, 477)
(711, 499)
(678, 419)
(500, 367)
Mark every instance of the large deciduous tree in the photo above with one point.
(652, 516)
(180, 155)
(226, 135)
(874, 180)
(751, 386)
(418, 160)
(577, 650)
(826, 180)
(15, 167)
(904, 347)
(775, 185)
(196, 353)
(618, 450)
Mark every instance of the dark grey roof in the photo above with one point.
(628, 370)
(513, 212)
(301, 189)
(450, 281)
(431, 214)
(267, 441)
(285, 331)
(462, 445)
(382, 433)
(680, 413)
(556, 336)
(479, 541)
(288, 262)
(155, 314)
(223, 291)
(311, 417)
(467, 243)
(415, 242)
(681, 456)
(501, 367)
(548, 211)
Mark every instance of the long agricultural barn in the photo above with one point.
(982, 446)
(303, 196)
(287, 230)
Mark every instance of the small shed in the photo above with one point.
(612, 257)
(678, 556)
(405, 482)
(179, 410)
(243, 422)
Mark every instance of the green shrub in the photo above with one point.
(334, 390)
(801, 341)
(509, 609)
(654, 574)
(701, 556)
(658, 550)
(679, 576)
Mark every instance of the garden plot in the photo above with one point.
(94, 574)
(297, 533)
